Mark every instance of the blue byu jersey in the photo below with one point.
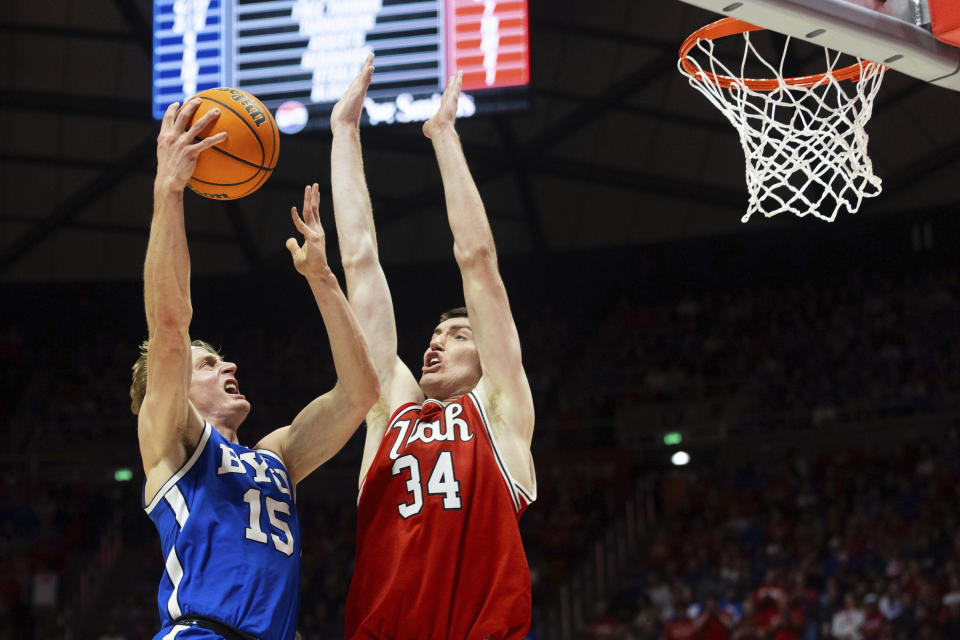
(230, 539)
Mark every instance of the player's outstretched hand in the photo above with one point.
(178, 147)
(346, 113)
(446, 115)
(311, 258)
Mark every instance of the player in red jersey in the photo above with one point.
(446, 469)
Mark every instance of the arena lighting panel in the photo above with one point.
(896, 33)
(298, 56)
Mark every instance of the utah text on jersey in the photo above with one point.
(435, 423)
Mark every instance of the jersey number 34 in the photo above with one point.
(442, 482)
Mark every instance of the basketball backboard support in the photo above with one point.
(896, 33)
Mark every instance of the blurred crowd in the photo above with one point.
(848, 544)
(763, 548)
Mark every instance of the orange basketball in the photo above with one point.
(239, 166)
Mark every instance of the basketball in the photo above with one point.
(240, 165)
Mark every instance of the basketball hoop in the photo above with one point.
(803, 137)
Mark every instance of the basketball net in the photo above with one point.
(803, 138)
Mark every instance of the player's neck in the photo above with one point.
(446, 397)
(226, 427)
(229, 434)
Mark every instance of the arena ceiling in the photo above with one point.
(616, 149)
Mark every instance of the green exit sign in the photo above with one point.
(123, 475)
(672, 438)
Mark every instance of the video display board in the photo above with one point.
(298, 56)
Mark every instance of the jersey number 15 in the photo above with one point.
(255, 533)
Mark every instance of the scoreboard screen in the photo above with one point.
(299, 56)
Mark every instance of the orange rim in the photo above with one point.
(733, 26)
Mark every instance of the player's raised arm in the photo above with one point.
(366, 283)
(167, 424)
(491, 320)
(324, 426)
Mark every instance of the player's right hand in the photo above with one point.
(310, 259)
(346, 113)
(178, 146)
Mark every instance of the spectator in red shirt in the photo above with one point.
(874, 623)
(768, 598)
(605, 625)
(747, 628)
(788, 623)
(680, 626)
(712, 623)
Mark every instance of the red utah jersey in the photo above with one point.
(439, 555)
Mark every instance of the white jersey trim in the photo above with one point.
(183, 470)
(511, 485)
(179, 505)
(275, 456)
(175, 631)
(175, 572)
(410, 406)
(526, 496)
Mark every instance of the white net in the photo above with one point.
(805, 146)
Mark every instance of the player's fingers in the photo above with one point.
(186, 113)
(452, 93)
(203, 122)
(211, 141)
(367, 72)
(297, 222)
(292, 246)
(311, 205)
(458, 82)
(307, 205)
(169, 116)
(362, 81)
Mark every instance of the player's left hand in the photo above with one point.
(346, 113)
(446, 115)
(310, 259)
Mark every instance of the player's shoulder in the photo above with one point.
(507, 409)
(404, 407)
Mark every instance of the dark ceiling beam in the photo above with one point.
(84, 163)
(886, 102)
(922, 168)
(583, 115)
(125, 229)
(660, 115)
(544, 140)
(141, 29)
(397, 140)
(22, 29)
(528, 200)
(641, 182)
(65, 104)
(73, 204)
(930, 211)
(238, 222)
(53, 161)
(608, 35)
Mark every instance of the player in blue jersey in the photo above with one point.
(226, 514)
